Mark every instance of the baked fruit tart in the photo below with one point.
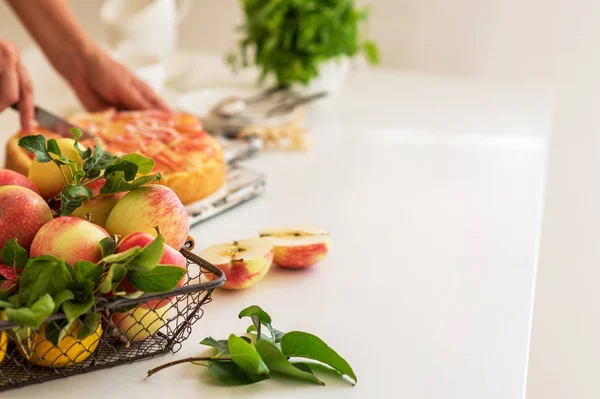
(190, 160)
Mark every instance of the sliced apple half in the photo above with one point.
(298, 247)
(244, 262)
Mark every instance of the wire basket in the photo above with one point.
(129, 330)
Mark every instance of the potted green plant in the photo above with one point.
(303, 43)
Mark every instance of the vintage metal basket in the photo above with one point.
(131, 329)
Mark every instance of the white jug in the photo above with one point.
(148, 26)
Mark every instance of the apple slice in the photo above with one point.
(243, 262)
(298, 247)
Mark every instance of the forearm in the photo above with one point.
(54, 27)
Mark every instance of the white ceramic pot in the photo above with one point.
(332, 74)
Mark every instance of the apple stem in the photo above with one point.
(186, 360)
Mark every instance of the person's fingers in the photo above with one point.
(26, 105)
(88, 97)
(131, 97)
(9, 87)
(155, 100)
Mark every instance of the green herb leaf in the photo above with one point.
(72, 196)
(245, 355)
(108, 246)
(84, 270)
(57, 330)
(230, 374)
(89, 325)
(122, 257)
(159, 279)
(276, 361)
(42, 275)
(116, 274)
(13, 254)
(75, 309)
(61, 297)
(115, 182)
(99, 161)
(371, 52)
(149, 256)
(37, 146)
(259, 317)
(219, 345)
(308, 346)
(84, 154)
(145, 165)
(129, 169)
(32, 316)
(276, 339)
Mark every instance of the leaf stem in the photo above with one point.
(90, 181)
(187, 360)
(63, 174)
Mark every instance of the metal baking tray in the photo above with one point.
(241, 186)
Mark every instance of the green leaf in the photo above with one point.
(75, 309)
(32, 316)
(276, 339)
(108, 246)
(122, 257)
(159, 279)
(245, 355)
(115, 182)
(219, 345)
(78, 177)
(5, 304)
(371, 52)
(276, 361)
(230, 374)
(13, 254)
(116, 274)
(308, 346)
(53, 147)
(98, 162)
(84, 270)
(129, 169)
(89, 325)
(145, 165)
(61, 297)
(72, 196)
(84, 154)
(57, 330)
(37, 146)
(149, 256)
(259, 317)
(42, 275)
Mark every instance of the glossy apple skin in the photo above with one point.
(47, 176)
(97, 208)
(22, 214)
(170, 257)
(69, 238)
(12, 178)
(11, 279)
(146, 207)
(243, 274)
(302, 256)
(140, 323)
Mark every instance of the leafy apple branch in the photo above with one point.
(121, 173)
(243, 360)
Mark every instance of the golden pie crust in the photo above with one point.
(190, 160)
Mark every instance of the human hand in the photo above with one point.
(101, 82)
(15, 84)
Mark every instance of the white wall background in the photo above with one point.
(551, 41)
(507, 39)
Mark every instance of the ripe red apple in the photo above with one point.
(8, 278)
(98, 208)
(170, 257)
(146, 207)
(12, 178)
(244, 262)
(22, 214)
(69, 238)
(298, 247)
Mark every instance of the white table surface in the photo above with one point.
(432, 188)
